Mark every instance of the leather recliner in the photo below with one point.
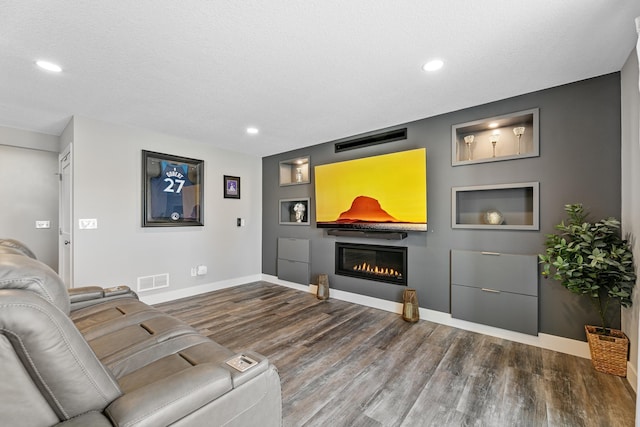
(100, 357)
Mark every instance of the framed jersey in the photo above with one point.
(172, 188)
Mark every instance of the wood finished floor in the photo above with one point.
(343, 364)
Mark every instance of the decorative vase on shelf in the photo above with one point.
(468, 140)
(298, 174)
(299, 210)
(493, 217)
(518, 133)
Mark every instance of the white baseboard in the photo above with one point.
(197, 290)
(632, 377)
(550, 342)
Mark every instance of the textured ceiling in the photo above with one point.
(303, 72)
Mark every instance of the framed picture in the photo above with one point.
(172, 188)
(231, 187)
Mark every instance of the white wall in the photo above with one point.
(631, 195)
(29, 190)
(107, 186)
(66, 137)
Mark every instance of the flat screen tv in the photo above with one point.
(379, 193)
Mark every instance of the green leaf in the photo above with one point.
(590, 259)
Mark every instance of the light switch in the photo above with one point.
(88, 224)
(43, 224)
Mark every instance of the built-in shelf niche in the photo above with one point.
(294, 211)
(517, 204)
(507, 147)
(294, 171)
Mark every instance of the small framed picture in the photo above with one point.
(231, 187)
(172, 188)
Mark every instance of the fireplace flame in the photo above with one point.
(377, 271)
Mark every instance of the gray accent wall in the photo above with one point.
(579, 162)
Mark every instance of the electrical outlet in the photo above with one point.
(194, 271)
(202, 270)
(43, 224)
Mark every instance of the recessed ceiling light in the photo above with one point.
(252, 130)
(433, 65)
(49, 66)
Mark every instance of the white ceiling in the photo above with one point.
(303, 72)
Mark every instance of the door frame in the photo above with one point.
(65, 211)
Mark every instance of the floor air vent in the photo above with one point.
(365, 141)
(148, 283)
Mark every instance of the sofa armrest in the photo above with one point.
(238, 378)
(165, 401)
(85, 293)
(90, 295)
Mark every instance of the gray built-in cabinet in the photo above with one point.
(293, 260)
(495, 289)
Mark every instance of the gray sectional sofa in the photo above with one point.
(100, 357)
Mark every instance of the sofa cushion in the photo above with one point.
(191, 354)
(18, 246)
(174, 395)
(110, 316)
(58, 360)
(131, 339)
(18, 271)
(92, 419)
(16, 388)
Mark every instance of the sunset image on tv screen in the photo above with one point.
(380, 192)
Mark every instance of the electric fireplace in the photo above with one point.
(372, 262)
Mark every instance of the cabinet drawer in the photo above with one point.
(502, 272)
(293, 271)
(293, 249)
(504, 310)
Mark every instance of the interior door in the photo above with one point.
(65, 239)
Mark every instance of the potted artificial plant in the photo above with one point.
(592, 259)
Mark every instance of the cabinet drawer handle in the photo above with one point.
(493, 291)
(491, 253)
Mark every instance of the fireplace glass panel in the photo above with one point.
(372, 262)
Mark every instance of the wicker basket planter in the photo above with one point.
(608, 352)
